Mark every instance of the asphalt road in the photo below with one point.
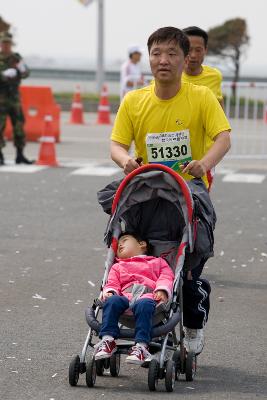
(51, 245)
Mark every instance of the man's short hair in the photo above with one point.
(196, 31)
(169, 34)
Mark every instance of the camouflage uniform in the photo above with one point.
(10, 100)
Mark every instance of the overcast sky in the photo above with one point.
(67, 29)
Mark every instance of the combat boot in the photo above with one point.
(21, 159)
(2, 160)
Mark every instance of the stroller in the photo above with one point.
(157, 203)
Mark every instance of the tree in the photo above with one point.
(230, 40)
(4, 26)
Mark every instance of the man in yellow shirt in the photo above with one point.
(184, 115)
(198, 74)
(194, 71)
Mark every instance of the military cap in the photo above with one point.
(6, 37)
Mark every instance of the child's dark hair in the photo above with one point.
(169, 34)
(139, 239)
(196, 31)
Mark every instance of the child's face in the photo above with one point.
(128, 246)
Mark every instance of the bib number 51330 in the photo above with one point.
(168, 152)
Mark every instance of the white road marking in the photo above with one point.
(223, 171)
(244, 178)
(84, 167)
(95, 170)
(22, 169)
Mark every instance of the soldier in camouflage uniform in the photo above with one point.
(12, 70)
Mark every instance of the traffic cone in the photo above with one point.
(103, 117)
(47, 152)
(76, 116)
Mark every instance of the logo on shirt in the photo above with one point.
(179, 122)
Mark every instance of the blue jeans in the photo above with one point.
(142, 309)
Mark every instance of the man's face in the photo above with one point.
(166, 61)
(6, 47)
(197, 52)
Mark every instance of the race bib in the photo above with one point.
(170, 148)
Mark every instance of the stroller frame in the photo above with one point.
(164, 336)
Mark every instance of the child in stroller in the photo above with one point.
(136, 281)
(156, 203)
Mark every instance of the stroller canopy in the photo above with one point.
(153, 201)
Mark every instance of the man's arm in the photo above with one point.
(221, 146)
(119, 154)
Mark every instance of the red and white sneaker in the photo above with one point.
(105, 349)
(138, 355)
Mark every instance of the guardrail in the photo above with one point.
(246, 107)
(110, 75)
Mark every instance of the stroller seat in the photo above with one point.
(158, 248)
(168, 251)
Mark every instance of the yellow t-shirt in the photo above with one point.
(209, 77)
(194, 108)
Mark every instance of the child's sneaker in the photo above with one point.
(138, 355)
(105, 349)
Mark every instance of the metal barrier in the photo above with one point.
(247, 112)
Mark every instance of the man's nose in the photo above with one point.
(164, 59)
(192, 54)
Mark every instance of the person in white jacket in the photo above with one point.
(131, 75)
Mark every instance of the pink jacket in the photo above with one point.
(152, 272)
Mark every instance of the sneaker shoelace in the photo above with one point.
(103, 345)
(140, 352)
(137, 351)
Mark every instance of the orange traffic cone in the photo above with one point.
(76, 116)
(103, 109)
(47, 152)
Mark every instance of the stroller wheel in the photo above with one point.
(91, 372)
(170, 375)
(177, 361)
(153, 372)
(190, 366)
(115, 362)
(100, 367)
(74, 371)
